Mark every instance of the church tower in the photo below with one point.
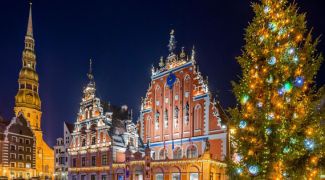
(28, 101)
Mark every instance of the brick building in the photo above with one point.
(17, 149)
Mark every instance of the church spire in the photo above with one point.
(30, 22)
(90, 72)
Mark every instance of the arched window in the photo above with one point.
(158, 96)
(177, 153)
(197, 116)
(148, 123)
(162, 154)
(187, 86)
(177, 90)
(167, 94)
(192, 152)
(153, 155)
(83, 142)
(86, 113)
(90, 113)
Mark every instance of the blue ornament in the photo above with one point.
(268, 131)
(253, 169)
(266, 9)
(291, 51)
(299, 81)
(281, 91)
(309, 144)
(286, 150)
(244, 99)
(281, 31)
(295, 58)
(239, 170)
(272, 26)
(242, 124)
(171, 80)
(272, 60)
(270, 116)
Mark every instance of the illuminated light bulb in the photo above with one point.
(291, 51)
(261, 38)
(259, 104)
(295, 58)
(239, 170)
(299, 81)
(272, 60)
(281, 91)
(266, 9)
(253, 169)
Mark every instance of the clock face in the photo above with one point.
(171, 80)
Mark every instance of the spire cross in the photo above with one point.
(90, 73)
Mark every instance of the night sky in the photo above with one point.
(124, 38)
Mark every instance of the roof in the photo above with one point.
(70, 126)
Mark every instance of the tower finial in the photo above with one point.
(90, 73)
(30, 21)
(172, 42)
(193, 54)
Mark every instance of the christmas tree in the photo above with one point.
(275, 131)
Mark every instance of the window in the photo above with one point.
(83, 142)
(177, 153)
(93, 160)
(162, 154)
(104, 159)
(93, 140)
(28, 165)
(28, 149)
(74, 162)
(159, 176)
(104, 177)
(176, 176)
(21, 165)
(29, 86)
(12, 164)
(27, 141)
(14, 139)
(194, 176)
(93, 177)
(21, 140)
(83, 161)
(192, 152)
(83, 177)
(197, 117)
(12, 156)
(153, 156)
(20, 148)
(28, 157)
(20, 157)
(12, 147)
(74, 177)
